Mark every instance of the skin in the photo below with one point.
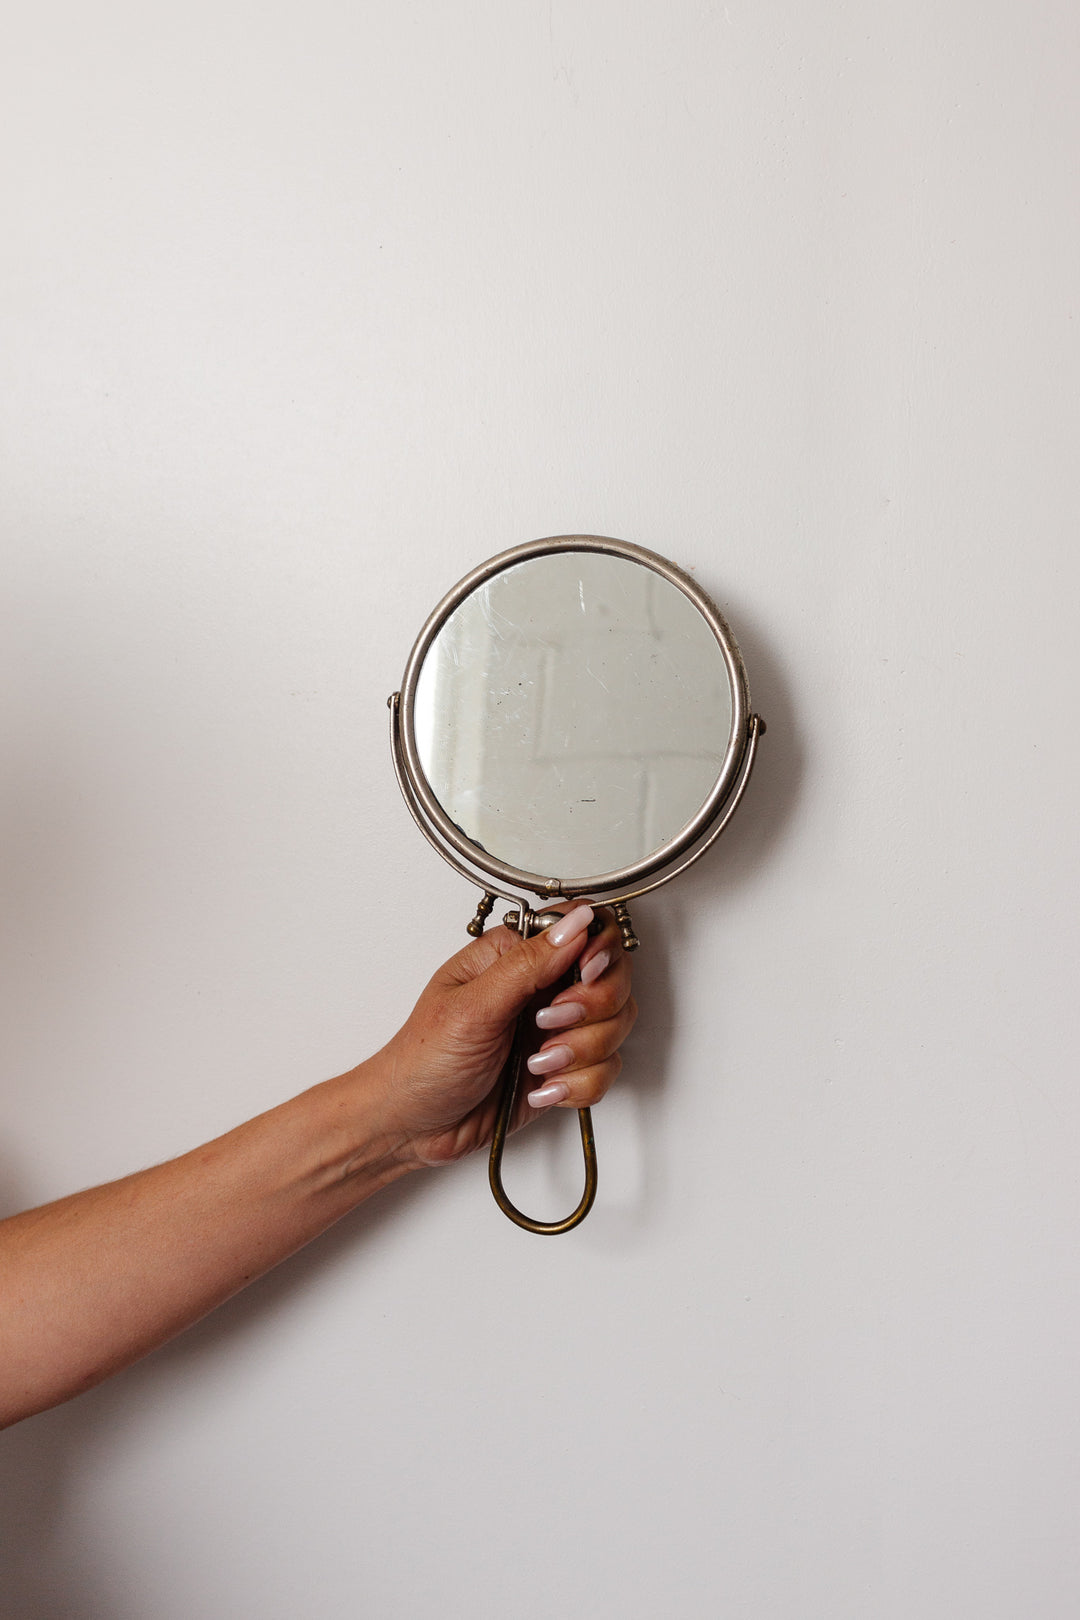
(94, 1281)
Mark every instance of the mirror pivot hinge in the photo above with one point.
(536, 921)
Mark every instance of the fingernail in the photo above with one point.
(593, 968)
(560, 1017)
(550, 1060)
(567, 928)
(555, 1091)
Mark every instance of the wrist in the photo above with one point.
(366, 1148)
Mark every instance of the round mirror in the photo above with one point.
(574, 714)
(574, 720)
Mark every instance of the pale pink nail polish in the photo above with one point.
(551, 1060)
(567, 928)
(556, 1091)
(560, 1016)
(595, 966)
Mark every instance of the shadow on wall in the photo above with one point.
(758, 825)
(739, 857)
(550, 1152)
(49, 1571)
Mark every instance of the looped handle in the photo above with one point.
(527, 923)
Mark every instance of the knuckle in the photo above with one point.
(520, 964)
(596, 1081)
(607, 999)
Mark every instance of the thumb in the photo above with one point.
(525, 966)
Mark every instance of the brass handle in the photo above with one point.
(527, 923)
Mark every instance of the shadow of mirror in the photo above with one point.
(639, 1153)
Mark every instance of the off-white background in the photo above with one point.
(306, 311)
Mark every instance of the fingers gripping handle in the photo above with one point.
(527, 922)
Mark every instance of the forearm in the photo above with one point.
(94, 1281)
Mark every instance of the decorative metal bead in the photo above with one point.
(483, 912)
(626, 928)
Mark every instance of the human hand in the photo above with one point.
(441, 1070)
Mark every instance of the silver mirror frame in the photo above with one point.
(630, 881)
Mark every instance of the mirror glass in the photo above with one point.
(573, 713)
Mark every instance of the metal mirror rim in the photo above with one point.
(540, 883)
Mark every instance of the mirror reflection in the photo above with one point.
(573, 713)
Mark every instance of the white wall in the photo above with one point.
(306, 310)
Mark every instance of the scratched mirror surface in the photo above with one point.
(573, 713)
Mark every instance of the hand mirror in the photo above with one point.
(574, 721)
